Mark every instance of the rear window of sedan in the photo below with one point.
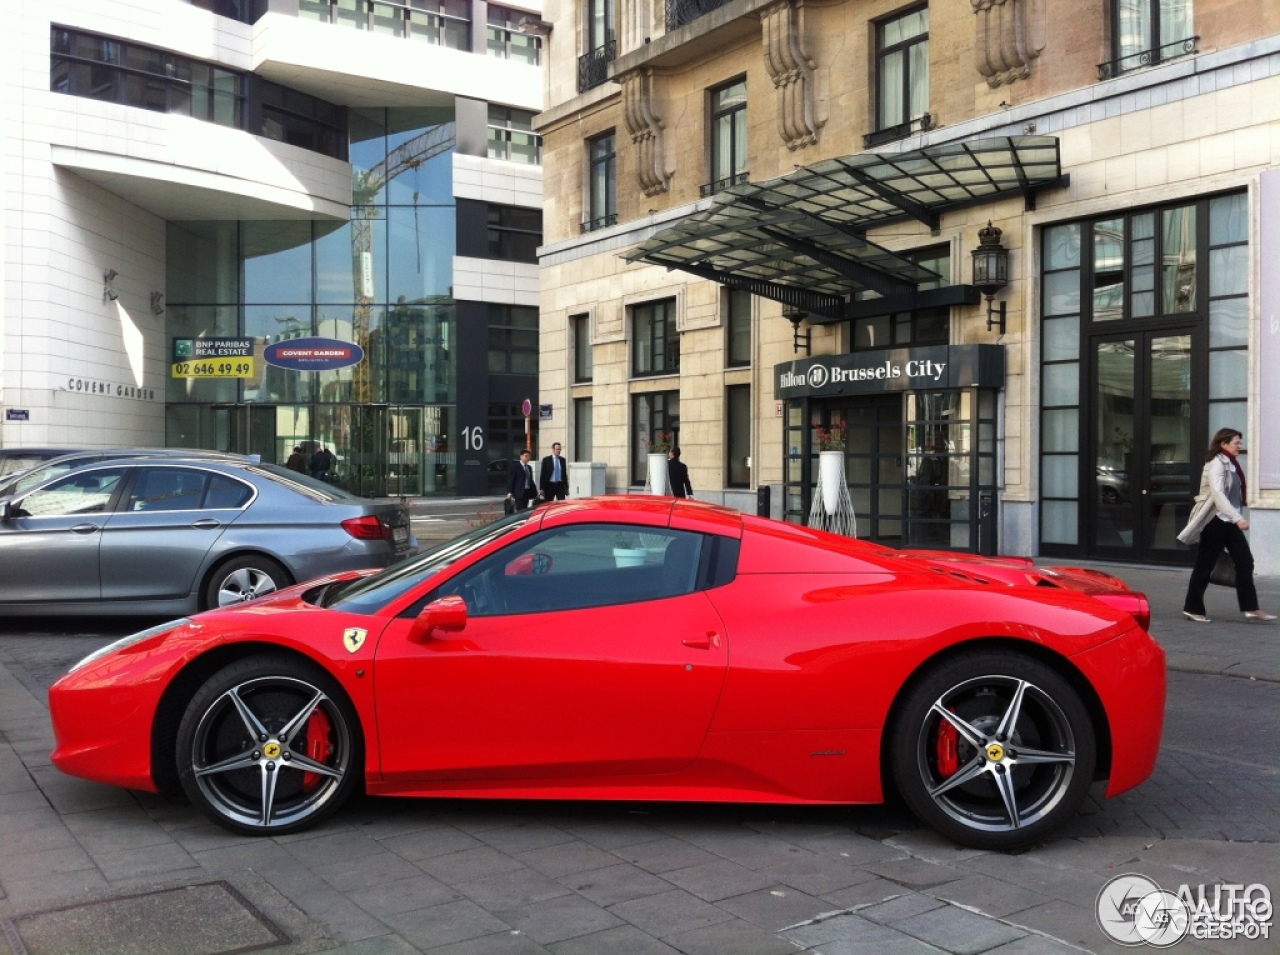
(312, 487)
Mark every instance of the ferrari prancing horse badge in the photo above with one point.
(353, 639)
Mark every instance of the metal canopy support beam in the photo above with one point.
(944, 297)
(811, 302)
(896, 199)
(869, 278)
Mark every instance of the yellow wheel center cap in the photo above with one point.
(271, 751)
(995, 752)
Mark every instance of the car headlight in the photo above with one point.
(130, 641)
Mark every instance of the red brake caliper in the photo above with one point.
(948, 758)
(318, 747)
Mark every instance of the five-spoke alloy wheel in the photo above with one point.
(993, 749)
(269, 745)
(244, 579)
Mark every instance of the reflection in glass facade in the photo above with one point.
(381, 281)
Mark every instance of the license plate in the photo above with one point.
(400, 534)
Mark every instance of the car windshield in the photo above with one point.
(367, 595)
(21, 483)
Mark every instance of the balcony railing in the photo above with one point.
(719, 185)
(1136, 61)
(601, 222)
(900, 131)
(593, 67)
(680, 12)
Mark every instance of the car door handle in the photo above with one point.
(84, 529)
(712, 639)
(206, 523)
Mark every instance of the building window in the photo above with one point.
(655, 343)
(506, 41)
(652, 414)
(602, 182)
(602, 46)
(513, 340)
(737, 430)
(902, 76)
(511, 135)
(514, 233)
(1147, 32)
(737, 322)
(925, 326)
(728, 136)
(95, 67)
(583, 360)
(582, 449)
(438, 22)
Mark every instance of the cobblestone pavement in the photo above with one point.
(452, 876)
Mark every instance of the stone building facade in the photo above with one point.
(752, 209)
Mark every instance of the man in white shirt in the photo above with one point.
(554, 476)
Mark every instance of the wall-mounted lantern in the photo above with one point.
(991, 272)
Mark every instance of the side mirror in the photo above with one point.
(533, 563)
(448, 615)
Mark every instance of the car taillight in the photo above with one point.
(367, 528)
(1131, 603)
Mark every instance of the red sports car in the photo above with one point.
(640, 648)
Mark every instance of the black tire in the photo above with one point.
(1008, 785)
(269, 745)
(243, 578)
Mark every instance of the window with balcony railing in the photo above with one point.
(602, 45)
(728, 136)
(902, 76)
(505, 40)
(681, 12)
(511, 136)
(1148, 32)
(602, 182)
(438, 22)
(131, 74)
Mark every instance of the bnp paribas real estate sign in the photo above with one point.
(212, 358)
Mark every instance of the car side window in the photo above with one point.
(227, 492)
(77, 493)
(580, 566)
(167, 489)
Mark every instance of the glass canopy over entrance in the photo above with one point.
(800, 239)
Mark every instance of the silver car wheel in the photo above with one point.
(993, 749)
(244, 584)
(266, 753)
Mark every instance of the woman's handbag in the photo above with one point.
(1224, 571)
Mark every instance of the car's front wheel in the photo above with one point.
(993, 749)
(269, 745)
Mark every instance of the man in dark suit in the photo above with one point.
(520, 487)
(678, 475)
(553, 479)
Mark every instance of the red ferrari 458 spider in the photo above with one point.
(640, 648)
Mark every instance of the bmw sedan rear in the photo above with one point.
(180, 535)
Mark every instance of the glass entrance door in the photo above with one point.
(1140, 446)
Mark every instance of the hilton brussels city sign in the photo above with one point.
(931, 368)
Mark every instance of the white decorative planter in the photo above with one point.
(831, 479)
(629, 556)
(832, 509)
(658, 474)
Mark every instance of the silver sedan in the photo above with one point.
(179, 535)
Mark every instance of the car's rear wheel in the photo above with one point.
(993, 749)
(244, 578)
(269, 745)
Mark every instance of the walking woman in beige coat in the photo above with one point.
(1216, 523)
